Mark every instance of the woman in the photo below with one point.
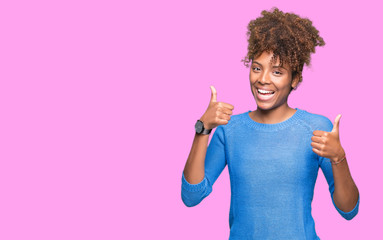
(274, 153)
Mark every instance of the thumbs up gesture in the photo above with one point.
(327, 144)
(217, 113)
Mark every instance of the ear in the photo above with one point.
(295, 81)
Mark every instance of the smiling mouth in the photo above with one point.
(265, 95)
(263, 92)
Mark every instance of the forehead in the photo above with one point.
(265, 59)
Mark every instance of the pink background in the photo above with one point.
(98, 101)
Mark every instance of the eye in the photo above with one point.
(255, 68)
(279, 73)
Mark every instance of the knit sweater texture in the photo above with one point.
(272, 171)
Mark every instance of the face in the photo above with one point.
(270, 77)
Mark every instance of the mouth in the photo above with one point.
(264, 95)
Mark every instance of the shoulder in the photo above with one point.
(317, 121)
(235, 122)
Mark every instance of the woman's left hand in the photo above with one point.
(327, 144)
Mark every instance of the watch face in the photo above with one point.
(198, 126)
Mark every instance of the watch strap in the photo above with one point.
(206, 131)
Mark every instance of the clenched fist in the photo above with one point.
(217, 113)
(327, 144)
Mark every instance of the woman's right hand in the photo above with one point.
(217, 113)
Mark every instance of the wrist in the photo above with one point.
(205, 125)
(336, 161)
(339, 156)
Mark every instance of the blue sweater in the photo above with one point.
(272, 171)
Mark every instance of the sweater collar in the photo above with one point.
(271, 127)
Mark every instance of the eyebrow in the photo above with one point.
(273, 66)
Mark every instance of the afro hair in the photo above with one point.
(291, 38)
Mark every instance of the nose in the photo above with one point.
(264, 78)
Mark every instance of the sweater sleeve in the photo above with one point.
(215, 162)
(326, 166)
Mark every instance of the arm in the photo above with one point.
(203, 166)
(344, 192)
(194, 170)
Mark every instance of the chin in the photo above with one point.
(264, 105)
(264, 108)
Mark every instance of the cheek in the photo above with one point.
(283, 85)
(252, 79)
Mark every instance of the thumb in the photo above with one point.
(336, 124)
(213, 94)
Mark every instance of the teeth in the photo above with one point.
(263, 91)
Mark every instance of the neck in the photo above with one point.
(275, 115)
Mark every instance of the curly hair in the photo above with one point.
(291, 39)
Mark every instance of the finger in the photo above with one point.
(317, 139)
(317, 145)
(336, 123)
(317, 151)
(224, 116)
(318, 133)
(226, 111)
(222, 121)
(227, 105)
(213, 97)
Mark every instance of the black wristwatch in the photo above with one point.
(200, 129)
